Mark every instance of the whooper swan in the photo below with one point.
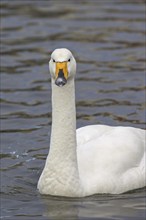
(92, 159)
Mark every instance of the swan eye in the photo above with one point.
(68, 60)
(53, 61)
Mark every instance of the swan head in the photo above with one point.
(62, 66)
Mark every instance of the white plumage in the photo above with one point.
(93, 159)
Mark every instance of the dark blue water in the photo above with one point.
(108, 40)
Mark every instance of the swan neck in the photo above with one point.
(63, 133)
(61, 165)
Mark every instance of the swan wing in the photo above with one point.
(111, 159)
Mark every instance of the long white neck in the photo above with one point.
(61, 165)
(63, 135)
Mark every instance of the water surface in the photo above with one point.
(108, 40)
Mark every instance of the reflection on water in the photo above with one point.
(107, 39)
(101, 206)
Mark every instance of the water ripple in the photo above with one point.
(108, 41)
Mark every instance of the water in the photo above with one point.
(107, 38)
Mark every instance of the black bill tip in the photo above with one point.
(61, 80)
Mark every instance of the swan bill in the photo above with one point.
(61, 74)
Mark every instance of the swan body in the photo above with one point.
(92, 159)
